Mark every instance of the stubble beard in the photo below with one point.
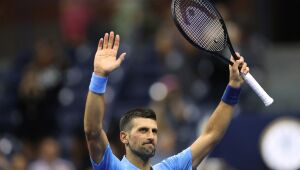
(142, 152)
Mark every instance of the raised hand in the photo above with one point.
(235, 79)
(106, 59)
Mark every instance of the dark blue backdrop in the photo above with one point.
(240, 145)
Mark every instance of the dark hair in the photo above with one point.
(135, 113)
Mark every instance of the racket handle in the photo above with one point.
(258, 89)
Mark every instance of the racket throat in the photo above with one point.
(229, 44)
(232, 50)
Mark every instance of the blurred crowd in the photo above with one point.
(43, 89)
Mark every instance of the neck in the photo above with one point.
(138, 161)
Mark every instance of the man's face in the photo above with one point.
(142, 137)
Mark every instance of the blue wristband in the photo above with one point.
(98, 84)
(231, 95)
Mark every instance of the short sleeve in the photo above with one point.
(108, 162)
(181, 161)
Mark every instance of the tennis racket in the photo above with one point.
(201, 24)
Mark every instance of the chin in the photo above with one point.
(144, 152)
(151, 152)
(148, 152)
(150, 155)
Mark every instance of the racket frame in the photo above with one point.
(267, 100)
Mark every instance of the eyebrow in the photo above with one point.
(147, 128)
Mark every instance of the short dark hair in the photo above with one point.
(135, 113)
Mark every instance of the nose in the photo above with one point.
(150, 135)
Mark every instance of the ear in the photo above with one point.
(124, 137)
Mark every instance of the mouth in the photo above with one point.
(149, 144)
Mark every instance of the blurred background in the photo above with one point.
(46, 62)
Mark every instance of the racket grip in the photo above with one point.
(258, 89)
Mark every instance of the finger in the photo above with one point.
(235, 57)
(121, 58)
(236, 63)
(105, 42)
(242, 59)
(117, 42)
(100, 44)
(239, 63)
(244, 65)
(111, 39)
(233, 61)
(245, 68)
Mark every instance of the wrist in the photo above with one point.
(235, 84)
(100, 73)
(231, 95)
(98, 83)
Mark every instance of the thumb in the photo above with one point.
(121, 58)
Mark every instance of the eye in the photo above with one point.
(143, 130)
(154, 131)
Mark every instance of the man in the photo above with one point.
(139, 128)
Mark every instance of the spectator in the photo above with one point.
(18, 162)
(49, 157)
(3, 162)
(38, 91)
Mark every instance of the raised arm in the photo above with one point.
(104, 63)
(221, 117)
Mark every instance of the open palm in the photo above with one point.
(106, 59)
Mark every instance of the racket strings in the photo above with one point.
(201, 23)
(213, 38)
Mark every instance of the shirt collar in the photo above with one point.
(128, 164)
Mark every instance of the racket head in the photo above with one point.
(202, 25)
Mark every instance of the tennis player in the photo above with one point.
(138, 127)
